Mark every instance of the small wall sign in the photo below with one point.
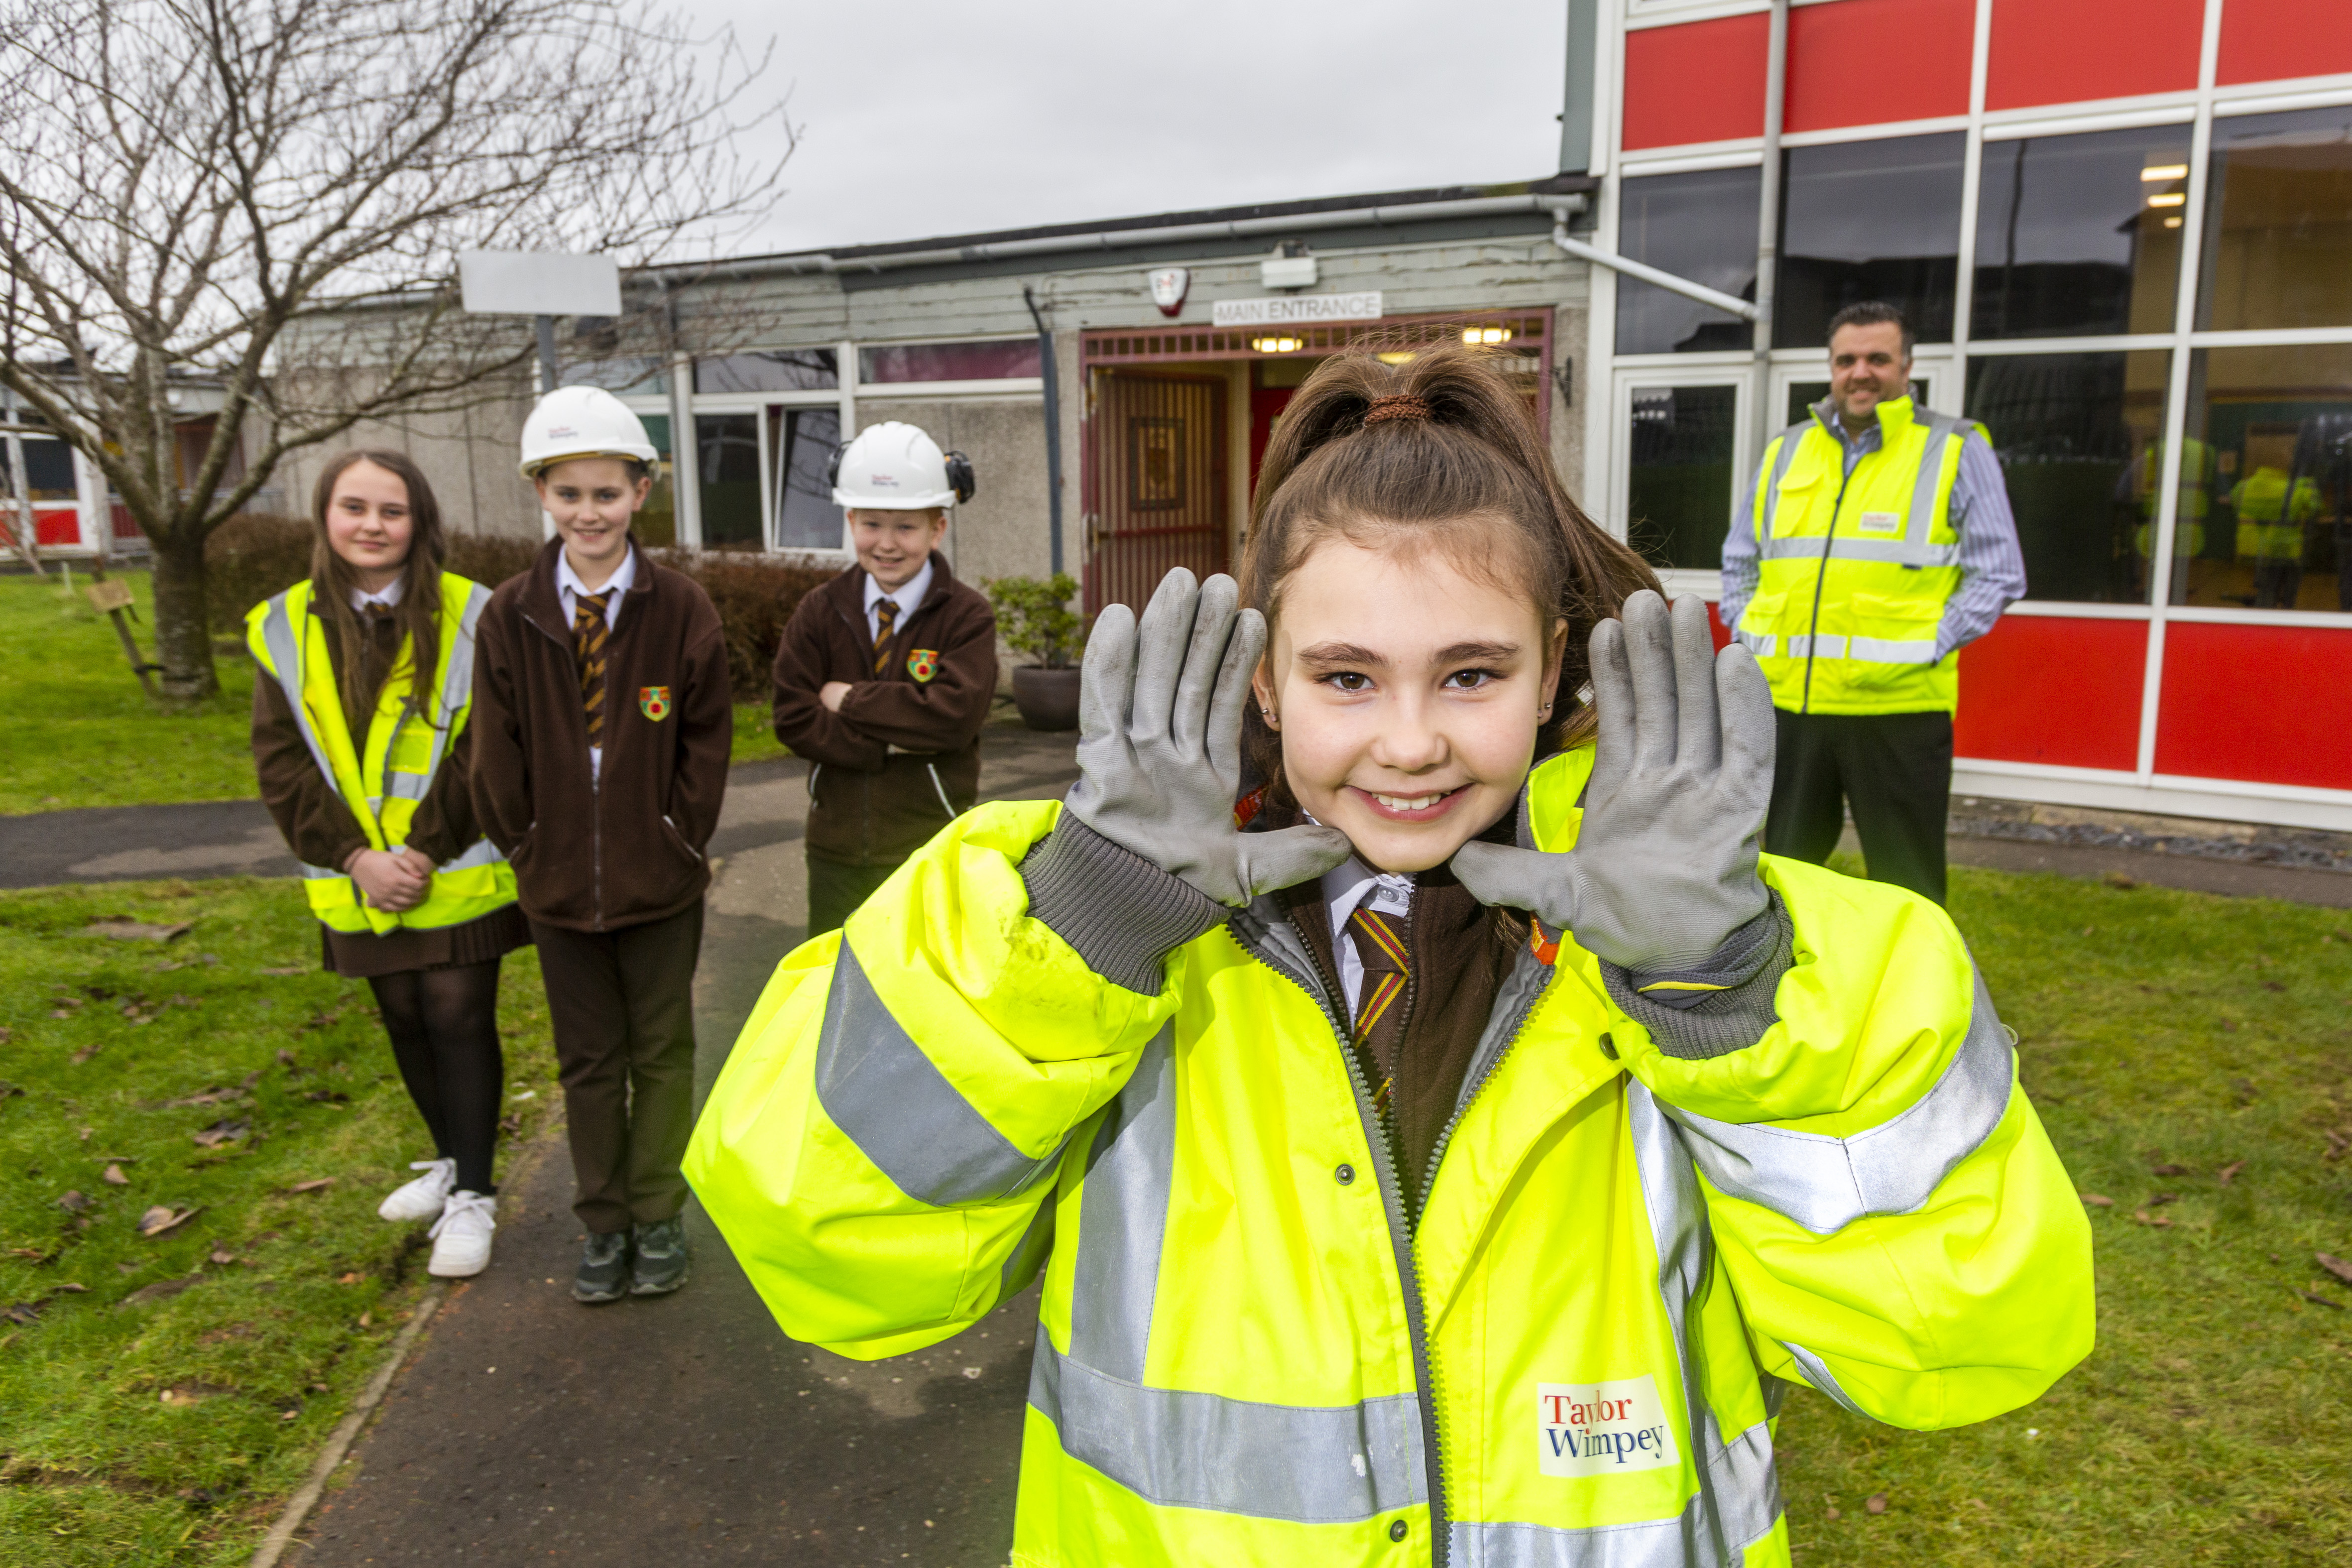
(1282, 311)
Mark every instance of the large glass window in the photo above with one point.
(1869, 220)
(49, 464)
(804, 440)
(2078, 439)
(1678, 492)
(2080, 236)
(769, 370)
(656, 525)
(727, 462)
(2278, 223)
(2273, 428)
(1701, 227)
(998, 361)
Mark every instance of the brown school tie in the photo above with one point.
(588, 634)
(1379, 1017)
(886, 616)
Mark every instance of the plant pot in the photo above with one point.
(1048, 699)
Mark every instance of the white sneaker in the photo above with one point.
(461, 1236)
(422, 1199)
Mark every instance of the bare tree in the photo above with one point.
(257, 204)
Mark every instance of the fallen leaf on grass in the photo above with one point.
(163, 1219)
(2169, 1170)
(2119, 880)
(285, 969)
(216, 1095)
(157, 1291)
(2159, 1222)
(347, 1278)
(186, 1394)
(114, 1177)
(137, 931)
(2336, 1266)
(2229, 1173)
(321, 1184)
(2157, 1199)
(74, 1202)
(222, 1255)
(87, 1052)
(1876, 1504)
(2323, 1300)
(222, 1132)
(2099, 1200)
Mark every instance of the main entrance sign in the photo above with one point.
(1299, 309)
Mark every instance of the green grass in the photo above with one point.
(2212, 1423)
(170, 1429)
(82, 732)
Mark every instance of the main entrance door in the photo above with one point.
(1157, 458)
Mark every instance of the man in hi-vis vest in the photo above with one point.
(1876, 542)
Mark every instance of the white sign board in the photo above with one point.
(1299, 309)
(538, 283)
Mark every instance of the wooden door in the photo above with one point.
(1156, 451)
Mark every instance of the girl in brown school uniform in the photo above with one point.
(359, 737)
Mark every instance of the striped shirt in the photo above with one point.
(1992, 568)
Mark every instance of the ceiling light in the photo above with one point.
(1486, 336)
(2168, 199)
(2165, 171)
(1278, 345)
(2172, 223)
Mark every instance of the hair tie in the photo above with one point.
(1399, 405)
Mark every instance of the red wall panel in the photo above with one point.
(2063, 51)
(58, 526)
(1838, 58)
(1701, 82)
(2048, 689)
(2266, 40)
(2272, 704)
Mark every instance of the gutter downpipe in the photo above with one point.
(1052, 426)
(1768, 217)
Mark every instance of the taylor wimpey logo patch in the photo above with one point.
(1602, 1428)
(1881, 522)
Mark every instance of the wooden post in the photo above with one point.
(113, 599)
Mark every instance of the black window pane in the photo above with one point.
(2274, 425)
(48, 464)
(1869, 220)
(768, 370)
(2278, 221)
(806, 518)
(2078, 435)
(1678, 500)
(726, 454)
(2080, 234)
(1701, 227)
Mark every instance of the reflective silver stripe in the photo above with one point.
(319, 873)
(1818, 1374)
(1757, 643)
(1740, 1478)
(1941, 429)
(1824, 1183)
(1310, 1464)
(457, 691)
(1816, 645)
(1790, 440)
(884, 1093)
(1889, 651)
(1123, 1218)
(407, 787)
(483, 853)
(1845, 547)
(286, 656)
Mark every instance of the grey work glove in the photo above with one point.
(1664, 871)
(1159, 731)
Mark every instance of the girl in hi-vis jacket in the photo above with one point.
(359, 735)
(1452, 1151)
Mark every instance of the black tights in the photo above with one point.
(444, 1025)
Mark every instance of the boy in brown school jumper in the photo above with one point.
(601, 725)
(885, 674)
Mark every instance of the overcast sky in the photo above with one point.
(924, 117)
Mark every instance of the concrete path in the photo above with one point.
(529, 1428)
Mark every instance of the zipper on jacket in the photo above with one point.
(1822, 578)
(1400, 1236)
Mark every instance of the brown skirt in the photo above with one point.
(363, 955)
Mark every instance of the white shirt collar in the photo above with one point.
(620, 582)
(387, 596)
(907, 595)
(1351, 884)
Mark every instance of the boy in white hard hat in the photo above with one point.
(886, 674)
(601, 725)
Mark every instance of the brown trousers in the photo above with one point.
(623, 1006)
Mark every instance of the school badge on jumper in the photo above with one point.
(923, 663)
(653, 701)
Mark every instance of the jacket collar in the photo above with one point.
(542, 604)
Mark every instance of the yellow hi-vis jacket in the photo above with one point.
(406, 743)
(1248, 1354)
(2199, 468)
(1854, 568)
(2270, 524)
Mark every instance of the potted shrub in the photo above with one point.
(1036, 622)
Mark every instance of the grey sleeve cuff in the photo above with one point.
(1720, 1006)
(1123, 914)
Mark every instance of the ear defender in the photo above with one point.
(959, 477)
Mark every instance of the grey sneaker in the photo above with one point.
(662, 1259)
(604, 1269)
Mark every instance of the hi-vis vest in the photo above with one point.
(1856, 567)
(1247, 1353)
(406, 743)
(2270, 525)
(2198, 471)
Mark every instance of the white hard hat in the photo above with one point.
(893, 466)
(582, 422)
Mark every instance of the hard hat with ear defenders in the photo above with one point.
(893, 466)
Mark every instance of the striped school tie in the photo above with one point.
(1380, 943)
(588, 634)
(886, 616)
